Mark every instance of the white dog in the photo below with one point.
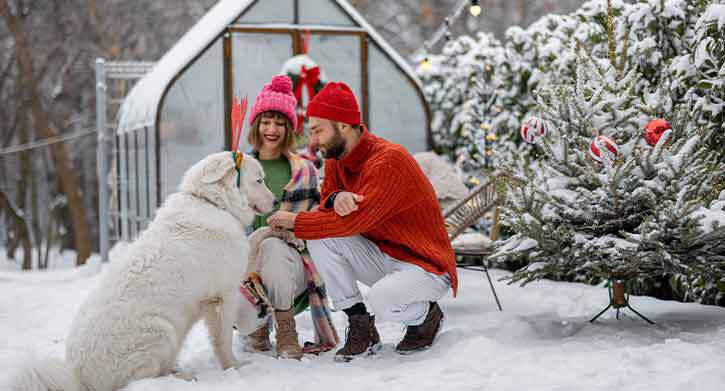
(186, 266)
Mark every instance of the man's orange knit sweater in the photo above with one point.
(400, 212)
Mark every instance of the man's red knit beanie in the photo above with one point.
(335, 102)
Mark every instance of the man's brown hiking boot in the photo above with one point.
(361, 338)
(421, 337)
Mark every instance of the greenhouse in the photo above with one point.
(178, 112)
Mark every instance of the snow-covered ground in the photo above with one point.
(542, 341)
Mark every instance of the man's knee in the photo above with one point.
(329, 245)
(383, 300)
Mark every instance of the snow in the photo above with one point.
(541, 341)
(613, 241)
(140, 106)
(711, 218)
(526, 244)
(714, 13)
(294, 66)
(471, 241)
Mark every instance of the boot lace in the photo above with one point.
(356, 334)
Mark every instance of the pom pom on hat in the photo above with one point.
(281, 84)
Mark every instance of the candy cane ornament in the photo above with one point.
(533, 129)
(604, 150)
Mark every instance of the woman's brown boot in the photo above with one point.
(258, 340)
(288, 345)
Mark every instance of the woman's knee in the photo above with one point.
(272, 247)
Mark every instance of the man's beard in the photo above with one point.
(335, 148)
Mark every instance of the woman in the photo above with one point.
(294, 182)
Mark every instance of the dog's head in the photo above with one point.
(214, 179)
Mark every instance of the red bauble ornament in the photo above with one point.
(654, 130)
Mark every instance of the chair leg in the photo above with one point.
(485, 269)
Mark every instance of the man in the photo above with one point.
(378, 223)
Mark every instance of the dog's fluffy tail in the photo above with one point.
(47, 375)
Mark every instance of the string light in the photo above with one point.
(444, 30)
(426, 65)
(475, 8)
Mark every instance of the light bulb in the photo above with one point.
(475, 8)
(426, 64)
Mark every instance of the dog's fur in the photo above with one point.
(185, 267)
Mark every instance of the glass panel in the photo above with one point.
(339, 59)
(192, 120)
(397, 112)
(152, 188)
(142, 174)
(115, 192)
(123, 186)
(255, 59)
(324, 12)
(132, 183)
(269, 11)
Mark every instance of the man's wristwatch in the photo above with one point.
(330, 203)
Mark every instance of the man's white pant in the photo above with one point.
(399, 291)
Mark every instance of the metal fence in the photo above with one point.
(113, 82)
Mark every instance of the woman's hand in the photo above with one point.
(282, 220)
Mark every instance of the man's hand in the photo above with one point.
(346, 203)
(282, 220)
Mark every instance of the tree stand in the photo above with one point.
(618, 298)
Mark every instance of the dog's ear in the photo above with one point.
(217, 169)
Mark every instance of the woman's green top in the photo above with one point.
(278, 173)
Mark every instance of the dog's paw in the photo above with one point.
(186, 376)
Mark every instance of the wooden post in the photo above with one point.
(496, 221)
(618, 299)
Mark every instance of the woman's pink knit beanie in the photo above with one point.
(276, 96)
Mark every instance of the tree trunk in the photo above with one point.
(69, 182)
(26, 177)
(22, 232)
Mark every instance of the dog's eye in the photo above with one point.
(259, 180)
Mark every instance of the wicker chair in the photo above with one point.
(467, 212)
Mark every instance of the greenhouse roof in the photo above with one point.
(140, 107)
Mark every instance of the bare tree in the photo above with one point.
(21, 225)
(29, 81)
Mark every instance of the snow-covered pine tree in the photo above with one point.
(647, 218)
(463, 78)
(709, 62)
(568, 219)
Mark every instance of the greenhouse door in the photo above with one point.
(253, 54)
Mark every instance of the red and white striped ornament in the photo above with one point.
(603, 149)
(534, 128)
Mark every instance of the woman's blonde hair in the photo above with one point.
(255, 139)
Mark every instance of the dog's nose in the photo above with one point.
(276, 204)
